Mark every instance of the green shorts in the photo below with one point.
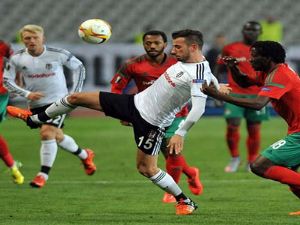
(233, 111)
(285, 152)
(3, 104)
(174, 126)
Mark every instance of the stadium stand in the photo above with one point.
(61, 18)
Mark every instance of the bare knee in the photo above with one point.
(74, 98)
(260, 165)
(146, 170)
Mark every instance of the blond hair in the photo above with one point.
(31, 28)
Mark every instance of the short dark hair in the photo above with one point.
(156, 32)
(270, 49)
(191, 36)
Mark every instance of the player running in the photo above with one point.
(144, 70)
(41, 68)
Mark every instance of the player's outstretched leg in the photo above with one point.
(18, 112)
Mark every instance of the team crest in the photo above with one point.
(48, 66)
(179, 74)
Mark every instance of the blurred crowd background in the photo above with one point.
(220, 21)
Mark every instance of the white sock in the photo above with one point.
(69, 144)
(166, 182)
(48, 152)
(60, 107)
(46, 176)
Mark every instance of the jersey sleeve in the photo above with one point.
(276, 85)
(77, 69)
(121, 79)
(9, 77)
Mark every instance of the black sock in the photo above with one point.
(45, 169)
(180, 196)
(79, 150)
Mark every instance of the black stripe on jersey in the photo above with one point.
(60, 50)
(20, 51)
(80, 79)
(200, 71)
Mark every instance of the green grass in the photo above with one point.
(117, 194)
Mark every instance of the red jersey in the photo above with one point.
(241, 52)
(282, 85)
(5, 52)
(144, 73)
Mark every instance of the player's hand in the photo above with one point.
(125, 123)
(225, 89)
(230, 61)
(35, 96)
(175, 144)
(208, 89)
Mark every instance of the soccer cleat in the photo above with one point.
(294, 213)
(194, 182)
(17, 176)
(89, 166)
(185, 207)
(18, 112)
(38, 182)
(233, 165)
(168, 198)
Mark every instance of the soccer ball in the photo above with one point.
(95, 31)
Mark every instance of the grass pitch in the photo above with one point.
(117, 194)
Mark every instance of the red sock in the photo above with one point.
(174, 167)
(253, 141)
(5, 154)
(233, 138)
(283, 175)
(186, 169)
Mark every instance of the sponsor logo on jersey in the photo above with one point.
(266, 89)
(179, 74)
(148, 83)
(241, 59)
(41, 75)
(169, 79)
(199, 81)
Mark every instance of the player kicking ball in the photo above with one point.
(151, 111)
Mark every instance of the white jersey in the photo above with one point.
(43, 73)
(159, 103)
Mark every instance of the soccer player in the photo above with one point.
(6, 156)
(144, 70)
(153, 109)
(280, 85)
(232, 113)
(41, 68)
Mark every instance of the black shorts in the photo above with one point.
(57, 121)
(148, 137)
